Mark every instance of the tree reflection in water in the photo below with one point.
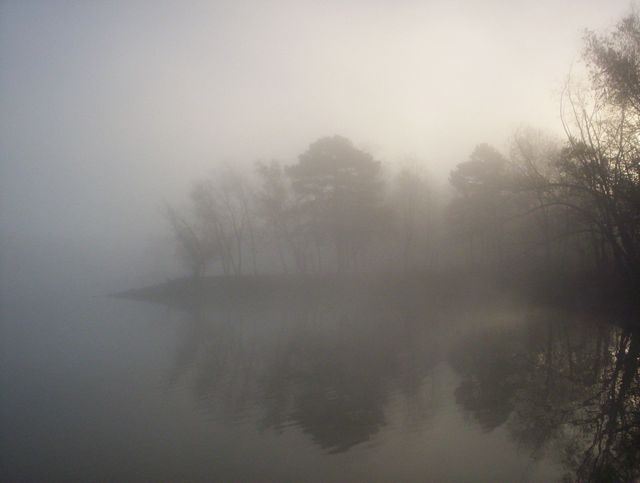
(329, 370)
(566, 387)
(562, 385)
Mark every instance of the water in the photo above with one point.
(97, 388)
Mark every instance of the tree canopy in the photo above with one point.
(339, 193)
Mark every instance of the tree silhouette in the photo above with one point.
(339, 196)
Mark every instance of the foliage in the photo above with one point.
(580, 202)
(338, 193)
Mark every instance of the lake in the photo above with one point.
(327, 388)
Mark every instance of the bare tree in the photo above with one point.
(277, 209)
(195, 247)
(224, 208)
(412, 203)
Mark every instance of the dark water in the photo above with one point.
(114, 390)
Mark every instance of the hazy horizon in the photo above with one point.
(319, 240)
(110, 109)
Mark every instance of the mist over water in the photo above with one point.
(319, 241)
(328, 387)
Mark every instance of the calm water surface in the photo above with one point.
(97, 388)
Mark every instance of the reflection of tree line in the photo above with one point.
(562, 387)
(218, 358)
(330, 371)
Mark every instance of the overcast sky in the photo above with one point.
(107, 108)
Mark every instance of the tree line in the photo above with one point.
(575, 201)
(571, 203)
(327, 212)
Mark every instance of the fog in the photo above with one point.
(109, 109)
(177, 154)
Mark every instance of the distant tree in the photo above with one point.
(482, 174)
(276, 207)
(412, 203)
(477, 214)
(195, 247)
(338, 192)
(223, 207)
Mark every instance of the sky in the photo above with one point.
(108, 109)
